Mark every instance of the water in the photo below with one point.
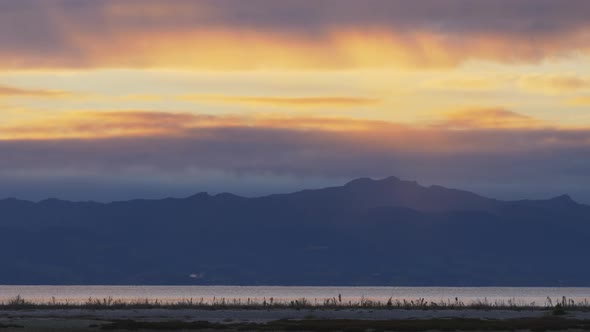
(79, 294)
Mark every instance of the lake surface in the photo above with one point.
(79, 294)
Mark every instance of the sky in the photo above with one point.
(118, 99)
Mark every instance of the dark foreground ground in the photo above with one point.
(73, 320)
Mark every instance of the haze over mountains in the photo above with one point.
(367, 232)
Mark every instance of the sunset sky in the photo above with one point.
(119, 99)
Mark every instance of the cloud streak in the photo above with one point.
(460, 132)
(288, 34)
(9, 91)
(89, 125)
(294, 102)
(490, 118)
(555, 84)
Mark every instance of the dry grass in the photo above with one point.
(558, 306)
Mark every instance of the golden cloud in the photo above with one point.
(490, 118)
(439, 136)
(579, 101)
(145, 123)
(9, 91)
(226, 49)
(288, 34)
(174, 142)
(464, 83)
(142, 97)
(554, 84)
(296, 102)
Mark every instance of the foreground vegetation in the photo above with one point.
(558, 306)
(352, 325)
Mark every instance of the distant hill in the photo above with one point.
(367, 232)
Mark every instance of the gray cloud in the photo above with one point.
(252, 161)
(460, 16)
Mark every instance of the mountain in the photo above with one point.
(367, 232)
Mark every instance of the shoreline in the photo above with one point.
(285, 319)
(272, 314)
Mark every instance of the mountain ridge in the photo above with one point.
(373, 232)
(352, 182)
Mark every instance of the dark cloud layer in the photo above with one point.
(460, 16)
(505, 163)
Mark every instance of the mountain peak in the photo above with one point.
(564, 199)
(367, 180)
(226, 195)
(390, 179)
(200, 195)
(53, 201)
(359, 181)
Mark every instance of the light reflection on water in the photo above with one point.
(79, 294)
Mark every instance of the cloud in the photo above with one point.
(127, 150)
(100, 125)
(447, 135)
(9, 91)
(295, 102)
(263, 34)
(492, 118)
(142, 97)
(242, 148)
(579, 101)
(90, 125)
(555, 84)
(463, 84)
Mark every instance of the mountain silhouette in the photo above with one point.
(367, 232)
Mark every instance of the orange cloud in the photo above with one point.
(226, 49)
(283, 101)
(482, 126)
(144, 123)
(287, 34)
(8, 91)
(97, 125)
(338, 49)
(492, 118)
